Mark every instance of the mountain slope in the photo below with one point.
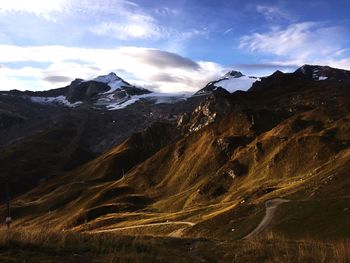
(286, 137)
(46, 138)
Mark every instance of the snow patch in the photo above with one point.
(112, 80)
(322, 78)
(122, 105)
(115, 85)
(233, 84)
(60, 100)
(157, 98)
(111, 77)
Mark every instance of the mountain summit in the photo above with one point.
(320, 73)
(228, 83)
(109, 92)
(304, 77)
(109, 79)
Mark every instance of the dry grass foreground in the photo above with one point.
(44, 246)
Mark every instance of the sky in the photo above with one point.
(166, 45)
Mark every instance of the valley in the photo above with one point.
(213, 177)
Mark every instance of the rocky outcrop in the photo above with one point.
(236, 169)
(228, 144)
(85, 91)
(212, 108)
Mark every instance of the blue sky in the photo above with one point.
(171, 46)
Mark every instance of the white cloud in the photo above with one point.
(130, 18)
(38, 7)
(140, 64)
(76, 21)
(18, 78)
(273, 13)
(135, 24)
(299, 43)
(129, 26)
(44, 7)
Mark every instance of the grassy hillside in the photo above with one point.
(206, 182)
(72, 247)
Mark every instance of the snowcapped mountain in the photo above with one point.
(230, 82)
(305, 76)
(103, 92)
(113, 81)
(235, 80)
(110, 92)
(320, 73)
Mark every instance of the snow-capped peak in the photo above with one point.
(113, 81)
(237, 82)
(113, 94)
(319, 73)
(231, 82)
(111, 77)
(314, 71)
(233, 74)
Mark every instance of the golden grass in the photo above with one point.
(47, 246)
(276, 248)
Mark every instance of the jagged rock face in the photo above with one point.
(234, 74)
(120, 94)
(206, 113)
(236, 169)
(228, 144)
(85, 91)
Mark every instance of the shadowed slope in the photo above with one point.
(236, 152)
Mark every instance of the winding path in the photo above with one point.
(144, 225)
(271, 206)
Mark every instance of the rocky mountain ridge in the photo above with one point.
(287, 137)
(85, 134)
(104, 92)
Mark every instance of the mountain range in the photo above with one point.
(104, 156)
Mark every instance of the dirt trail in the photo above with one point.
(144, 225)
(271, 206)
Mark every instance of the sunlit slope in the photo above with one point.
(265, 144)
